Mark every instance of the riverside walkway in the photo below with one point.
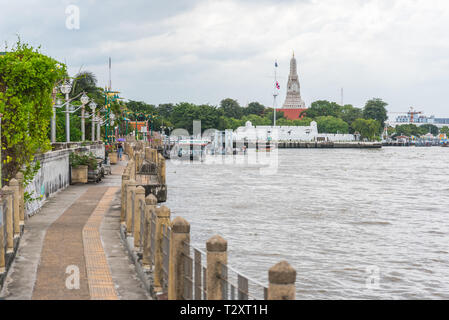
(71, 249)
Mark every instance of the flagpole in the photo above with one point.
(275, 94)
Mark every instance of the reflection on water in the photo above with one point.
(333, 215)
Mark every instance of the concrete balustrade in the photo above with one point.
(20, 179)
(180, 234)
(139, 200)
(282, 278)
(8, 193)
(150, 209)
(14, 185)
(162, 219)
(130, 188)
(125, 179)
(162, 169)
(216, 256)
(2, 244)
(138, 216)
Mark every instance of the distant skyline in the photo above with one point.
(203, 51)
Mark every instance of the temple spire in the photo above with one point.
(293, 99)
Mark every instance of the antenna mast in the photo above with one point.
(110, 81)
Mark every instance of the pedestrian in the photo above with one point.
(120, 151)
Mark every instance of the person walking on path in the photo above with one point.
(120, 151)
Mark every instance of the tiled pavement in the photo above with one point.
(65, 238)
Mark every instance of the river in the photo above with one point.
(354, 223)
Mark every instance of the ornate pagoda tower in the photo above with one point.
(293, 104)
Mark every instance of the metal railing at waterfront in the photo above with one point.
(179, 270)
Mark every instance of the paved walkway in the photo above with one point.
(72, 250)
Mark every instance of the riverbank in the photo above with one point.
(329, 144)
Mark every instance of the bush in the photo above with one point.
(83, 160)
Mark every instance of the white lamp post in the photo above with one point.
(93, 106)
(84, 100)
(65, 89)
(98, 125)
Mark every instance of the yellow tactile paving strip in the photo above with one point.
(101, 286)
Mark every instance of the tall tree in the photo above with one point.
(323, 108)
(367, 128)
(84, 81)
(231, 108)
(330, 124)
(375, 109)
(429, 128)
(254, 108)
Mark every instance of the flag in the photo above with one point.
(277, 85)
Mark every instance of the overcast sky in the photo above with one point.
(202, 51)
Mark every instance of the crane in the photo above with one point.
(411, 114)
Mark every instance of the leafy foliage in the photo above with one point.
(27, 79)
(89, 160)
(367, 128)
(375, 109)
(330, 124)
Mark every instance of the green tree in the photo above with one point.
(368, 128)
(445, 130)
(375, 109)
(408, 130)
(349, 114)
(84, 81)
(330, 124)
(429, 128)
(254, 108)
(323, 108)
(231, 108)
(140, 107)
(27, 79)
(165, 110)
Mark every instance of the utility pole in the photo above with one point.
(342, 96)
(275, 93)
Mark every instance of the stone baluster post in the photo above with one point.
(163, 218)
(132, 170)
(139, 200)
(151, 202)
(281, 278)
(20, 178)
(125, 179)
(2, 236)
(180, 233)
(216, 256)
(14, 184)
(130, 188)
(162, 168)
(8, 193)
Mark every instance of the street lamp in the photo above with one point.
(65, 89)
(84, 100)
(93, 106)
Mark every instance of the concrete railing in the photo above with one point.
(176, 269)
(12, 221)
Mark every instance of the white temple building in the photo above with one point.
(287, 133)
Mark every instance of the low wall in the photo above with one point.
(54, 174)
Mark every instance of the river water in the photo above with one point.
(355, 224)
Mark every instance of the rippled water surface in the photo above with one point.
(333, 215)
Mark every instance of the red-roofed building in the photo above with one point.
(292, 114)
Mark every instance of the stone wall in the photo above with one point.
(54, 174)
